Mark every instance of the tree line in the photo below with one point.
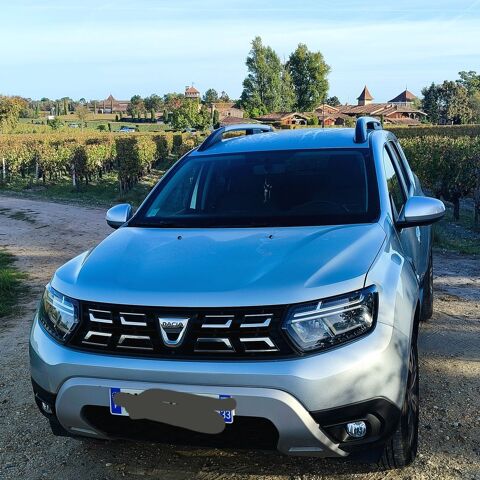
(453, 102)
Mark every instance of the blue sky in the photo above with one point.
(89, 48)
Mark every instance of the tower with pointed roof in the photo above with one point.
(365, 97)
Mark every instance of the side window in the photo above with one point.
(395, 190)
(401, 162)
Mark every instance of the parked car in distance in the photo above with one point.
(127, 129)
(281, 274)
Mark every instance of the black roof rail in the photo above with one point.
(362, 126)
(249, 128)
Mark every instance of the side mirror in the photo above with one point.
(118, 215)
(421, 211)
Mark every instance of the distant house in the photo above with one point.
(226, 109)
(405, 99)
(398, 111)
(230, 120)
(191, 92)
(329, 116)
(112, 105)
(283, 118)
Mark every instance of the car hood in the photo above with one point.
(222, 267)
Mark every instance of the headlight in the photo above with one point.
(325, 323)
(58, 314)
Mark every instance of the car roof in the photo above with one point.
(298, 139)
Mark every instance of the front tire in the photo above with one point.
(401, 449)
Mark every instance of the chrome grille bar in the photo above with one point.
(93, 318)
(215, 340)
(124, 321)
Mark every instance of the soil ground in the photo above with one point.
(43, 235)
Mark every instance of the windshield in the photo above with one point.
(319, 187)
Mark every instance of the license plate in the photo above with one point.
(119, 410)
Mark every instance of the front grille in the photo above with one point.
(245, 432)
(182, 333)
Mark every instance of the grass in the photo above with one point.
(11, 284)
(459, 236)
(102, 192)
(39, 125)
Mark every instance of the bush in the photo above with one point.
(448, 167)
(451, 131)
(177, 142)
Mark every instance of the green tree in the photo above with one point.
(136, 106)
(333, 101)
(309, 73)
(470, 80)
(224, 97)
(263, 85)
(287, 92)
(10, 108)
(173, 100)
(187, 115)
(216, 119)
(153, 104)
(55, 124)
(448, 103)
(457, 108)
(210, 96)
(82, 112)
(431, 102)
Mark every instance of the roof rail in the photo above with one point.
(217, 135)
(362, 126)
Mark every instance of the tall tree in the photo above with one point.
(287, 92)
(263, 84)
(447, 103)
(470, 80)
(136, 106)
(224, 97)
(82, 112)
(210, 96)
(190, 115)
(431, 102)
(153, 104)
(309, 73)
(333, 101)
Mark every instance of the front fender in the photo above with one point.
(397, 285)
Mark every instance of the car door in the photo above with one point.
(399, 186)
(425, 232)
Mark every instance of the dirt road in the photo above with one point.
(44, 235)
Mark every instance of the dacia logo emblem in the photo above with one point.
(173, 330)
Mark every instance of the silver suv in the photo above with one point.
(280, 275)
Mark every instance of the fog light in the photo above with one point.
(356, 429)
(46, 407)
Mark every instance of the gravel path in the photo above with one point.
(44, 235)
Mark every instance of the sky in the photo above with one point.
(91, 48)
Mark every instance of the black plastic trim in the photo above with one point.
(380, 414)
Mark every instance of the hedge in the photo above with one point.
(451, 131)
(84, 156)
(448, 165)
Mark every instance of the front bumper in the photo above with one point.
(285, 392)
